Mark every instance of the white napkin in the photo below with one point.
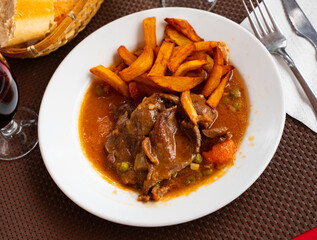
(304, 55)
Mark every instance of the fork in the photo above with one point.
(275, 42)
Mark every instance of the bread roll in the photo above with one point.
(62, 8)
(25, 20)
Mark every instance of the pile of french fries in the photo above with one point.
(181, 63)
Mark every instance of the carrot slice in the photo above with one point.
(221, 153)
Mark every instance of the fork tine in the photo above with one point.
(257, 19)
(264, 18)
(271, 17)
(255, 30)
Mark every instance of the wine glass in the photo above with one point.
(201, 4)
(18, 126)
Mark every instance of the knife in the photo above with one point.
(300, 22)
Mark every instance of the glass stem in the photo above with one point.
(12, 128)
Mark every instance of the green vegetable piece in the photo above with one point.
(235, 93)
(174, 175)
(207, 171)
(99, 91)
(198, 158)
(123, 167)
(226, 99)
(237, 106)
(190, 180)
(156, 185)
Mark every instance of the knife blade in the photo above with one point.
(300, 22)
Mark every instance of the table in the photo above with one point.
(281, 204)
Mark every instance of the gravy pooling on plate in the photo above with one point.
(171, 125)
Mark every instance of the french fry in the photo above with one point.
(127, 56)
(184, 27)
(143, 79)
(156, 50)
(149, 28)
(225, 51)
(139, 66)
(178, 56)
(138, 52)
(176, 83)
(188, 57)
(215, 97)
(160, 64)
(208, 67)
(149, 90)
(226, 69)
(146, 85)
(188, 106)
(135, 93)
(203, 56)
(205, 46)
(111, 78)
(197, 56)
(117, 68)
(176, 36)
(215, 76)
(189, 66)
(196, 73)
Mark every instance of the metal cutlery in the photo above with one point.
(300, 22)
(268, 32)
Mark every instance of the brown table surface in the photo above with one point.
(281, 204)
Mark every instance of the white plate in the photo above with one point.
(74, 174)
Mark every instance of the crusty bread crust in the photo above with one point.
(62, 8)
(22, 21)
(6, 20)
(33, 20)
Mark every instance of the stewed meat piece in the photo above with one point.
(206, 115)
(215, 132)
(155, 141)
(168, 148)
(123, 144)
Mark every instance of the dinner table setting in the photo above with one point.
(48, 187)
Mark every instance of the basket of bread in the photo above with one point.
(33, 28)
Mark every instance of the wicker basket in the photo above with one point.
(76, 21)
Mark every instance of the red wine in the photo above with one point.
(8, 96)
